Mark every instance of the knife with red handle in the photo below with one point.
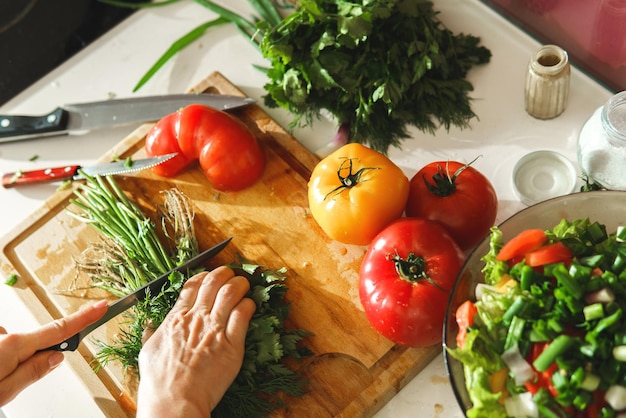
(70, 172)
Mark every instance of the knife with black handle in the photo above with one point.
(81, 117)
(152, 288)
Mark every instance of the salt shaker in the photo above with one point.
(547, 82)
(602, 144)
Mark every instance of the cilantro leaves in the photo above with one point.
(378, 66)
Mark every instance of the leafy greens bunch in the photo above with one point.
(132, 253)
(377, 66)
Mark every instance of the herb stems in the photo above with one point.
(105, 207)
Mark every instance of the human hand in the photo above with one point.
(23, 365)
(189, 362)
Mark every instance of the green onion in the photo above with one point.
(11, 280)
(606, 322)
(526, 277)
(590, 382)
(567, 282)
(179, 44)
(620, 235)
(556, 348)
(595, 311)
(619, 353)
(515, 332)
(592, 260)
(597, 233)
(514, 309)
(618, 263)
(579, 272)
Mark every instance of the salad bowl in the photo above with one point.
(606, 207)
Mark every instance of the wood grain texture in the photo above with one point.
(354, 371)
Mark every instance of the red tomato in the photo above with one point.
(524, 242)
(549, 254)
(228, 151)
(464, 319)
(405, 278)
(457, 196)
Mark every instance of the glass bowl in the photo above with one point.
(607, 207)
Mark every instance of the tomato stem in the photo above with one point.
(351, 179)
(444, 183)
(412, 269)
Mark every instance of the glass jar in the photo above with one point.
(602, 144)
(547, 82)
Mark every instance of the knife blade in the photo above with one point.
(70, 172)
(81, 117)
(152, 288)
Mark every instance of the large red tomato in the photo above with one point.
(405, 280)
(457, 196)
(228, 151)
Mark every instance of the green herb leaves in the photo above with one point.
(379, 66)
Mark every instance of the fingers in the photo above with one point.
(148, 331)
(227, 298)
(237, 325)
(221, 294)
(59, 330)
(204, 285)
(27, 373)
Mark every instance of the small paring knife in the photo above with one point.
(70, 172)
(82, 117)
(152, 288)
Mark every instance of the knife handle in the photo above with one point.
(39, 176)
(71, 344)
(13, 127)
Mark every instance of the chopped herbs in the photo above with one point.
(11, 280)
(34, 158)
(131, 254)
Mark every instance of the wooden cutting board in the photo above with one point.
(354, 371)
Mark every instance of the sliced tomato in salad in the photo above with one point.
(524, 242)
(464, 319)
(549, 254)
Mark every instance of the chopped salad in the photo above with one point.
(546, 335)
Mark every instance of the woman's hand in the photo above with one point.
(189, 362)
(22, 364)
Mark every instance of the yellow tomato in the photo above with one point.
(355, 192)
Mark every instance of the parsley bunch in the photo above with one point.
(377, 66)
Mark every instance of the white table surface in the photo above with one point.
(112, 65)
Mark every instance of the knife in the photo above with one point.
(80, 117)
(152, 288)
(70, 172)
